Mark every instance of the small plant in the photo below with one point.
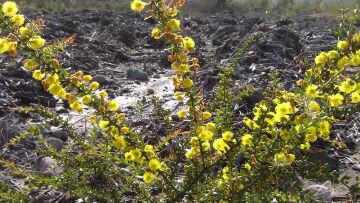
(204, 157)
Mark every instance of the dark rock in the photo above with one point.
(254, 98)
(55, 142)
(9, 128)
(210, 82)
(324, 157)
(103, 80)
(150, 91)
(60, 134)
(120, 56)
(46, 165)
(136, 74)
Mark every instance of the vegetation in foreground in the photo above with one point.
(207, 159)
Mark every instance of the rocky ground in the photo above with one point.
(118, 51)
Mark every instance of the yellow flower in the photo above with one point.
(314, 107)
(30, 64)
(18, 20)
(321, 58)
(56, 89)
(86, 99)
(284, 159)
(94, 85)
(247, 167)
(9, 8)
(92, 119)
(103, 124)
(347, 86)
(189, 44)
(335, 100)
(103, 94)
(206, 115)
(148, 177)
(343, 62)
(77, 106)
(311, 134)
(113, 105)
(342, 45)
(138, 5)
(333, 54)
(205, 135)
(135, 154)
(120, 143)
(87, 78)
(210, 126)
(173, 25)
(180, 68)
(179, 96)
(156, 33)
(220, 146)
(270, 118)
(188, 83)
(154, 164)
(4, 45)
(227, 136)
(182, 113)
(324, 129)
(355, 97)
(305, 146)
(246, 140)
(125, 130)
(36, 42)
(149, 149)
(24, 31)
(284, 108)
(53, 79)
(312, 91)
(206, 146)
(355, 60)
(38, 75)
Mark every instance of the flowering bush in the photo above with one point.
(211, 160)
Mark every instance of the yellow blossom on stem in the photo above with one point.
(113, 105)
(342, 45)
(124, 130)
(220, 146)
(189, 44)
(148, 177)
(87, 78)
(312, 91)
(18, 20)
(9, 8)
(227, 136)
(347, 86)
(188, 83)
(30, 64)
(182, 113)
(103, 124)
(38, 75)
(36, 42)
(94, 85)
(355, 97)
(77, 106)
(173, 25)
(154, 164)
(335, 100)
(120, 143)
(156, 33)
(210, 126)
(246, 140)
(86, 99)
(324, 129)
(206, 115)
(321, 58)
(137, 5)
(4, 45)
(247, 167)
(92, 119)
(284, 109)
(311, 135)
(314, 107)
